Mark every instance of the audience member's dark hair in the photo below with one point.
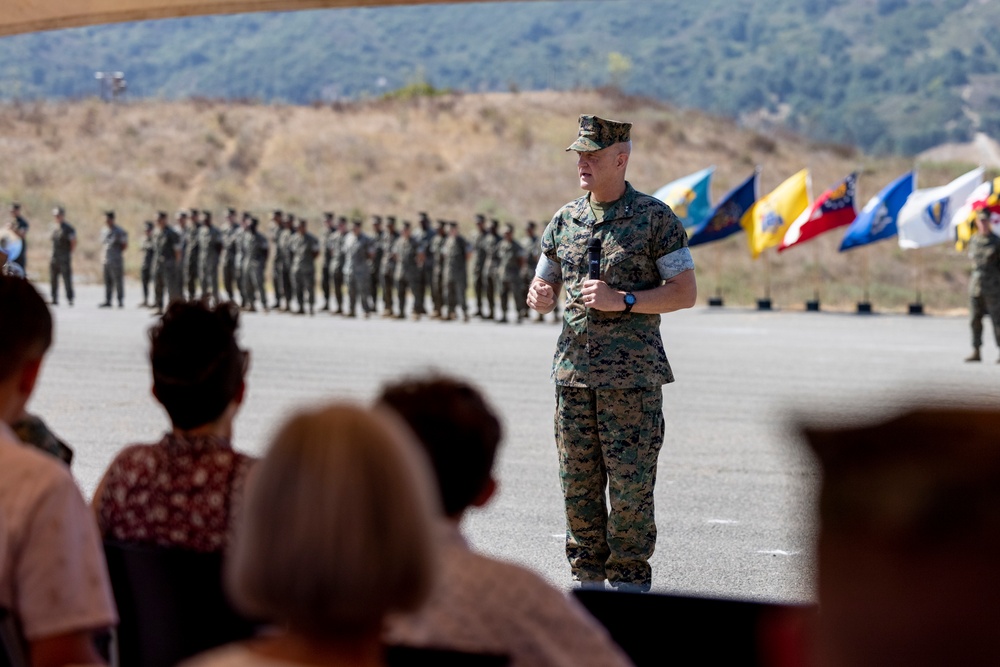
(25, 323)
(457, 428)
(197, 366)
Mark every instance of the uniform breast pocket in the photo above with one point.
(626, 263)
(572, 256)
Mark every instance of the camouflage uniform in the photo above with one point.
(285, 250)
(478, 262)
(189, 263)
(425, 237)
(436, 258)
(378, 255)
(230, 260)
(146, 272)
(455, 253)
(405, 252)
(210, 246)
(304, 248)
(609, 368)
(278, 235)
(335, 244)
(388, 270)
(984, 285)
(166, 244)
(532, 245)
(490, 243)
(324, 277)
(255, 250)
(61, 265)
(114, 239)
(358, 272)
(510, 258)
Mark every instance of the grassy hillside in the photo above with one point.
(889, 76)
(450, 155)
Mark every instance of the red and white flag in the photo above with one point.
(834, 208)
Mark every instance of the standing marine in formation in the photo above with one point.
(455, 254)
(148, 254)
(167, 254)
(114, 241)
(304, 249)
(510, 259)
(61, 265)
(210, 244)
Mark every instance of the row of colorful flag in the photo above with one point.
(785, 217)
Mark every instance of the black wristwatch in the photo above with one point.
(629, 299)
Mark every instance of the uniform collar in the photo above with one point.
(623, 208)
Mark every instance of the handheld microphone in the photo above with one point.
(594, 258)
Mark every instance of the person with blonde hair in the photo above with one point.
(335, 534)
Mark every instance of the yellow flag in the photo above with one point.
(988, 196)
(766, 221)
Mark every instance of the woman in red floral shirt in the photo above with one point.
(182, 490)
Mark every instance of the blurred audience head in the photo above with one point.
(198, 368)
(336, 527)
(909, 513)
(459, 431)
(25, 336)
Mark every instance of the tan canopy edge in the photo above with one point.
(20, 16)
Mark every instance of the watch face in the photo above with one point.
(630, 299)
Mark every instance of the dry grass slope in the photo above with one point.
(451, 155)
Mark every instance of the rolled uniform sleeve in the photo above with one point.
(673, 256)
(548, 267)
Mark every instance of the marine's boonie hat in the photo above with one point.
(597, 133)
(58, 210)
(148, 224)
(109, 214)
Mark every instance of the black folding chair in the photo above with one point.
(12, 653)
(656, 629)
(171, 604)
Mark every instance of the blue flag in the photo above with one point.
(688, 197)
(877, 219)
(724, 219)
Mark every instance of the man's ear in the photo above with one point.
(29, 376)
(484, 495)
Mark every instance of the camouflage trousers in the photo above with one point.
(166, 279)
(114, 282)
(359, 291)
(208, 277)
(987, 303)
(230, 277)
(304, 289)
(61, 269)
(608, 442)
(278, 281)
(190, 277)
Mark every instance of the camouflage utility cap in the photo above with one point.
(598, 133)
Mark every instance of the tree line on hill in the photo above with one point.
(889, 76)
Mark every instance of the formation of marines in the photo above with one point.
(389, 269)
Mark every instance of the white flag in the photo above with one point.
(925, 218)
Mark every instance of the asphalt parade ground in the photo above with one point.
(734, 490)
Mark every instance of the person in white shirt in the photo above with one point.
(53, 578)
(481, 604)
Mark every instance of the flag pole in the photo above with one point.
(817, 279)
(765, 303)
(865, 305)
(716, 301)
(917, 307)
